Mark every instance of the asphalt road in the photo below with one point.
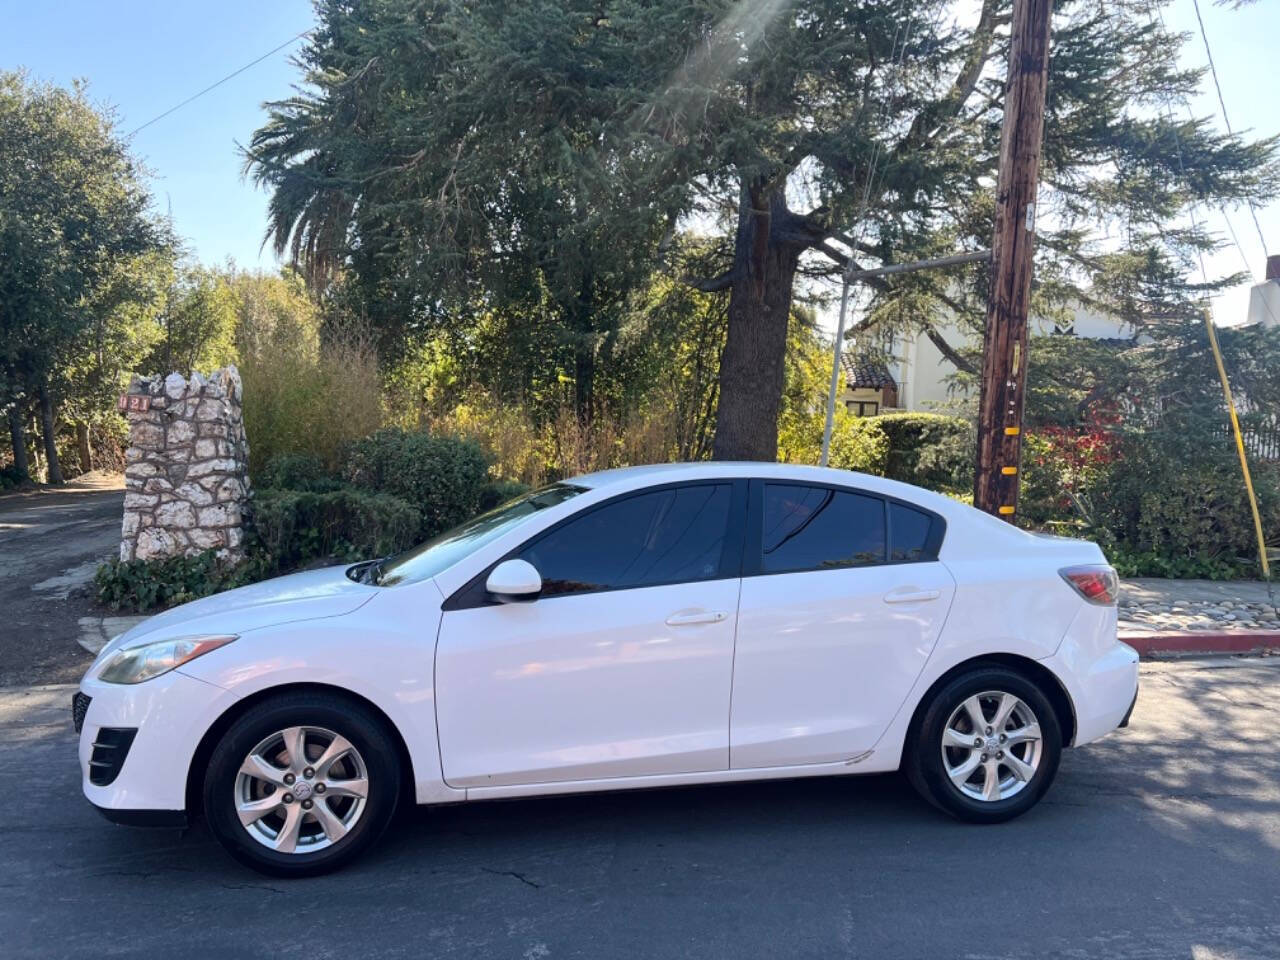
(51, 541)
(1162, 841)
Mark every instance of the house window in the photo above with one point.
(863, 408)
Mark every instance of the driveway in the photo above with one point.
(1162, 841)
(51, 541)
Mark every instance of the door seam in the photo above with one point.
(733, 666)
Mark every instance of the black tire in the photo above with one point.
(345, 717)
(924, 763)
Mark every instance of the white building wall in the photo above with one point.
(923, 373)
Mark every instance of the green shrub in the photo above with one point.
(926, 449)
(929, 450)
(1166, 502)
(297, 471)
(443, 477)
(859, 443)
(9, 477)
(143, 585)
(292, 527)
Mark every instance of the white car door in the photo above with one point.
(842, 602)
(621, 667)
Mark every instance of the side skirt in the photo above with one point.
(863, 763)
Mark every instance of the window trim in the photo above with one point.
(472, 594)
(753, 552)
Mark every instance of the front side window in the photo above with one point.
(667, 536)
(818, 528)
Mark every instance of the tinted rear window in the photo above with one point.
(910, 534)
(817, 528)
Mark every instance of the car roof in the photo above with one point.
(629, 478)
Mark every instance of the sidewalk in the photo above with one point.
(1199, 616)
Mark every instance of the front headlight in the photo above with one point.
(135, 664)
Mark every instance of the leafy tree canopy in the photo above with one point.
(459, 160)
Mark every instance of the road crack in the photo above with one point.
(512, 873)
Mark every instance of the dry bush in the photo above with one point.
(581, 445)
(650, 437)
(300, 398)
(519, 450)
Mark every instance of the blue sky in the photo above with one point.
(144, 56)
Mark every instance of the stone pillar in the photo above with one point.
(187, 467)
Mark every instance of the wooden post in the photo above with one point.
(1004, 341)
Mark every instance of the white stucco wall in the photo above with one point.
(922, 372)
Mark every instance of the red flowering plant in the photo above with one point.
(1062, 464)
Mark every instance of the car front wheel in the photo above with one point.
(301, 784)
(987, 747)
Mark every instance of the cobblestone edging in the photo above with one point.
(186, 474)
(1198, 615)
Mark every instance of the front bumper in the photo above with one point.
(168, 715)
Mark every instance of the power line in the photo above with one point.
(1213, 71)
(218, 83)
(1155, 14)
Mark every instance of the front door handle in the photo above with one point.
(911, 596)
(704, 616)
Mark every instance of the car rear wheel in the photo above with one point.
(301, 784)
(987, 747)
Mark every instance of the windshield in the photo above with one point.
(443, 551)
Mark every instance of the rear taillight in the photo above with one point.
(1096, 582)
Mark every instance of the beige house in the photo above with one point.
(887, 371)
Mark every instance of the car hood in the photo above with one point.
(311, 595)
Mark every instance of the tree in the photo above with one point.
(495, 153)
(73, 211)
(198, 318)
(445, 197)
(869, 130)
(122, 330)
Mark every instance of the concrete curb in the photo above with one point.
(1155, 645)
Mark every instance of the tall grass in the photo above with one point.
(302, 397)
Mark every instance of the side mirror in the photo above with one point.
(513, 580)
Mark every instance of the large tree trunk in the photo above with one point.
(752, 365)
(18, 436)
(46, 429)
(83, 448)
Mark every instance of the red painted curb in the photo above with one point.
(1237, 641)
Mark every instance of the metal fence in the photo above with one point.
(1261, 436)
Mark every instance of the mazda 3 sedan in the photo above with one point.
(647, 627)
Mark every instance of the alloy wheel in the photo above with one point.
(991, 746)
(301, 789)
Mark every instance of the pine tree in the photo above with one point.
(546, 151)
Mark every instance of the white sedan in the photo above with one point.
(647, 627)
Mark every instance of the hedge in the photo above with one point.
(927, 449)
(294, 526)
(297, 471)
(443, 477)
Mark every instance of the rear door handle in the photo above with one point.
(911, 596)
(706, 616)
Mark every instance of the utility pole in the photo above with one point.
(1004, 340)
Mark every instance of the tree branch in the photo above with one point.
(714, 284)
(926, 121)
(949, 351)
